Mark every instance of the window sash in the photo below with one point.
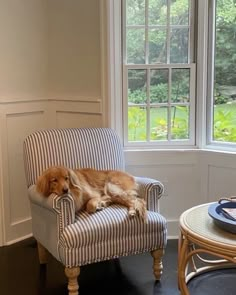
(210, 142)
(191, 104)
(190, 65)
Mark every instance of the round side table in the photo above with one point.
(202, 246)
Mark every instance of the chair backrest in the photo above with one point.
(98, 148)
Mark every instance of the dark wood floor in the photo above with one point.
(20, 274)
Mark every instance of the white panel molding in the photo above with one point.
(21, 238)
(221, 181)
(158, 157)
(75, 98)
(15, 196)
(14, 99)
(70, 119)
(20, 116)
(208, 162)
(87, 107)
(29, 98)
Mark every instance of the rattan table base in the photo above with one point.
(202, 246)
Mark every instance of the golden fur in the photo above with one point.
(92, 189)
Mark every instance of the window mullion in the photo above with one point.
(191, 35)
(146, 33)
(148, 106)
(168, 32)
(169, 107)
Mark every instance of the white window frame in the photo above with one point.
(210, 142)
(111, 50)
(189, 65)
(117, 106)
(113, 77)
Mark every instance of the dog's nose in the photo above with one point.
(65, 190)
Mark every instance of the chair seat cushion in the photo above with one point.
(110, 233)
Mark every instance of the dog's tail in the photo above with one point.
(141, 208)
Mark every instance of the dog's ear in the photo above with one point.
(74, 181)
(42, 185)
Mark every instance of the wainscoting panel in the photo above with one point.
(72, 119)
(218, 174)
(70, 113)
(221, 182)
(18, 123)
(178, 172)
(18, 119)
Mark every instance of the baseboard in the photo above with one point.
(173, 229)
(19, 239)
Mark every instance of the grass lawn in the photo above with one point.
(224, 123)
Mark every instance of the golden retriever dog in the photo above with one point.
(92, 189)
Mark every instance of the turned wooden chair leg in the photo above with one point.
(43, 254)
(72, 275)
(157, 263)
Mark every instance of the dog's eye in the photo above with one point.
(54, 180)
(66, 177)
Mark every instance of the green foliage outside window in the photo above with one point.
(224, 128)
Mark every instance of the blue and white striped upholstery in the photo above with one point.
(86, 238)
(97, 148)
(109, 234)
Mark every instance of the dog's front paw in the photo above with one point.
(132, 212)
(100, 206)
(106, 201)
(93, 205)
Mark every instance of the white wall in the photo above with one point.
(74, 48)
(23, 62)
(49, 77)
(179, 172)
(190, 178)
(23, 66)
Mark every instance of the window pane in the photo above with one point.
(179, 12)
(179, 45)
(157, 46)
(137, 124)
(156, 93)
(180, 122)
(224, 129)
(159, 86)
(180, 85)
(135, 11)
(157, 12)
(135, 46)
(137, 89)
(159, 125)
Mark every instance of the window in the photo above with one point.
(222, 72)
(158, 72)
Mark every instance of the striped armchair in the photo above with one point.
(77, 239)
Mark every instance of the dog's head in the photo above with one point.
(58, 180)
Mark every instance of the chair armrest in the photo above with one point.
(151, 190)
(38, 199)
(50, 216)
(63, 205)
